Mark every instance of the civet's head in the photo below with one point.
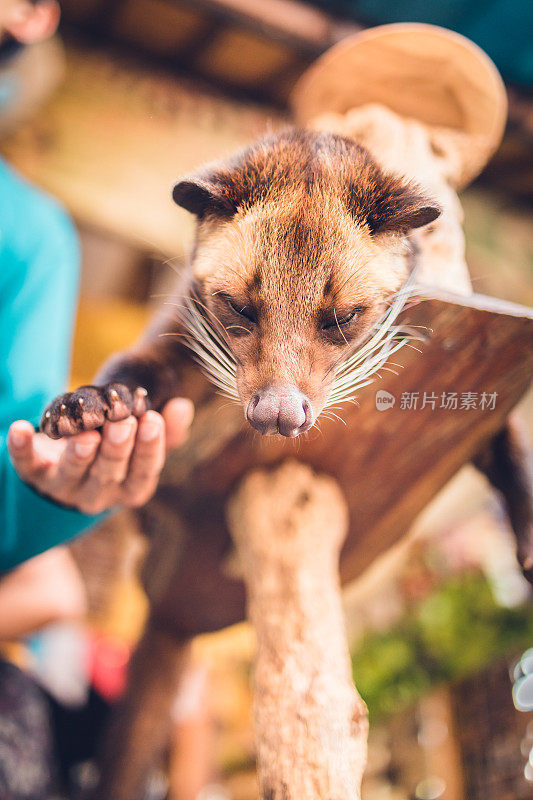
(300, 245)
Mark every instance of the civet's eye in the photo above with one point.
(336, 321)
(242, 310)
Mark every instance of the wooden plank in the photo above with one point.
(419, 71)
(389, 463)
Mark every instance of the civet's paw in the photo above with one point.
(89, 406)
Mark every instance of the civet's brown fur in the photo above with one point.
(293, 235)
(297, 232)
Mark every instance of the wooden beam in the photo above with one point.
(388, 463)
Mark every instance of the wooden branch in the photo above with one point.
(419, 72)
(311, 725)
(476, 345)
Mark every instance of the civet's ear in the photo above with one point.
(401, 207)
(201, 196)
(390, 204)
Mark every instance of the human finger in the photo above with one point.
(178, 415)
(26, 460)
(111, 464)
(77, 458)
(147, 460)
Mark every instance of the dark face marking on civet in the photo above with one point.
(300, 242)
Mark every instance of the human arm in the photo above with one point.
(38, 287)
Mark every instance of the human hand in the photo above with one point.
(94, 471)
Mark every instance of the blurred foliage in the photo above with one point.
(454, 632)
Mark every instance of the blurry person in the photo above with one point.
(31, 63)
(50, 491)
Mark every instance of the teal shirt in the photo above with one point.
(39, 265)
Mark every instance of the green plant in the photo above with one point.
(454, 632)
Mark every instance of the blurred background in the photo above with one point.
(144, 91)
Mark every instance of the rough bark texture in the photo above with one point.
(311, 725)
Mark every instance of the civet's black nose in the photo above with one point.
(280, 409)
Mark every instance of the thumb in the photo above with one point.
(178, 415)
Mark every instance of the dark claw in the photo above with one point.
(140, 402)
(119, 401)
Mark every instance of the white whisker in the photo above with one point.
(206, 338)
(210, 349)
(362, 367)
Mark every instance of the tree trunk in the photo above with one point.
(311, 725)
